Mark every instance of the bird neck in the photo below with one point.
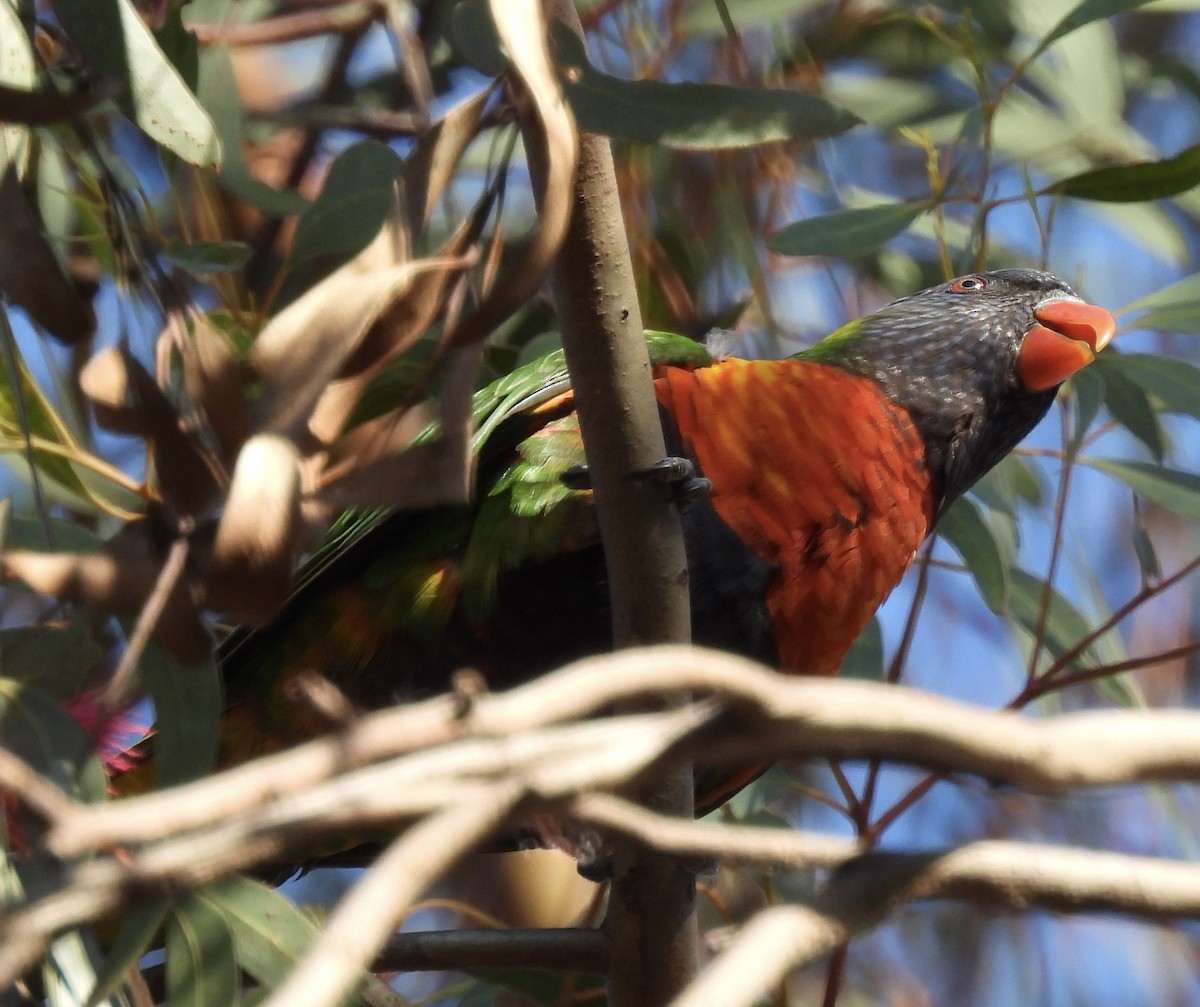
(959, 396)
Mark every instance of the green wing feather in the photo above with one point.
(379, 573)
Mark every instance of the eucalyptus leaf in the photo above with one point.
(1083, 14)
(690, 116)
(218, 90)
(55, 658)
(1174, 308)
(1135, 183)
(355, 199)
(18, 70)
(187, 706)
(1064, 625)
(37, 729)
(1177, 491)
(140, 925)
(1087, 391)
(1172, 384)
(965, 528)
(205, 258)
(1129, 404)
(201, 967)
(116, 42)
(846, 234)
(269, 933)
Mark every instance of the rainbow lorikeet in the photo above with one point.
(828, 469)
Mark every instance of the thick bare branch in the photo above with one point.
(769, 717)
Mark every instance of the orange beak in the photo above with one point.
(1066, 340)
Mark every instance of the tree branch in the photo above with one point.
(651, 914)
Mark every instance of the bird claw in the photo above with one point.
(678, 474)
(577, 477)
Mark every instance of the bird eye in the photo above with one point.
(968, 284)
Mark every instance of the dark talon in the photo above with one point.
(672, 469)
(679, 474)
(577, 477)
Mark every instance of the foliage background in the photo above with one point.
(986, 140)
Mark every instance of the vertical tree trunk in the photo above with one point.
(651, 919)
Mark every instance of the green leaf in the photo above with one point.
(115, 41)
(35, 728)
(865, 658)
(218, 90)
(1172, 384)
(201, 967)
(1180, 299)
(964, 527)
(139, 927)
(187, 707)
(1085, 13)
(1012, 482)
(56, 659)
(1065, 625)
(1135, 183)
(1129, 404)
(269, 933)
(1176, 491)
(69, 536)
(354, 201)
(204, 258)
(846, 234)
(1087, 391)
(1143, 549)
(690, 116)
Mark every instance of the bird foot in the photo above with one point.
(676, 473)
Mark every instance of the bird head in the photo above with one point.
(976, 362)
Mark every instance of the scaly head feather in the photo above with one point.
(975, 361)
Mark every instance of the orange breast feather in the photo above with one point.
(820, 475)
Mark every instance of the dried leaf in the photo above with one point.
(430, 474)
(432, 164)
(521, 26)
(214, 380)
(312, 341)
(30, 275)
(18, 70)
(127, 400)
(118, 580)
(257, 542)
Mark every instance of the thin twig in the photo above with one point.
(119, 689)
(1056, 545)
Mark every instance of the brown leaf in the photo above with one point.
(127, 400)
(312, 341)
(429, 474)
(522, 29)
(214, 380)
(431, 165)
(30, 275)
(118, 580)
(257, 544)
